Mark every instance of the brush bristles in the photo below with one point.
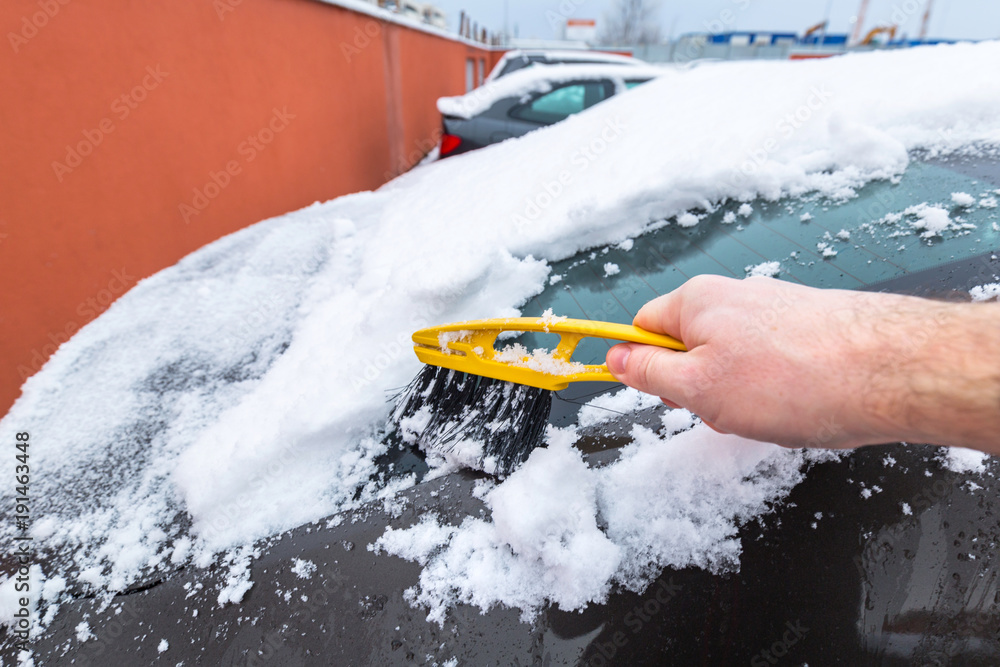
(507, 419)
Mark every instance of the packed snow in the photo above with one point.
(242, 391)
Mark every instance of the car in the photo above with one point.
(518, 59)
(214, 481)
(839, 563)
(530, 99)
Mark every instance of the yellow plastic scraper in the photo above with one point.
(470, 347)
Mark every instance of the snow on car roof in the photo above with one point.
(538, 79)
(240, 392)
(580, 54)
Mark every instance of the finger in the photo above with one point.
(650, 369)
(670, 404)
(662, 314)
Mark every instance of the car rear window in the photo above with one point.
(563, 102)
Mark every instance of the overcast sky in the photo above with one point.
(969, 19)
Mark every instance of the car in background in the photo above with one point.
(531, 99)
(512, 61)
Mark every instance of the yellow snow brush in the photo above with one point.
(470, 347)
(488, 408)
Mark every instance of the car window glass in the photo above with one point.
(513, 65)
(563, 102)
(632, 84)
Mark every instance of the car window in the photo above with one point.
(513, 65)
(635, 82)
(563, 102)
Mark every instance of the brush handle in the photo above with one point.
(469, 347)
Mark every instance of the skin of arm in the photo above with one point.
(800, 366)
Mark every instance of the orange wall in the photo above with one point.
(280, 102)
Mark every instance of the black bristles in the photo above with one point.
(508, 419)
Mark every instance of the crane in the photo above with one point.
(926, 21)
(860, 21)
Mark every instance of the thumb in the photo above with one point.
(651, 369)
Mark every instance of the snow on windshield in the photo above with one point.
(240, 392)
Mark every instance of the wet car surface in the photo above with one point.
(882, 557)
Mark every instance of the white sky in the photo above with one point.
(968, 19)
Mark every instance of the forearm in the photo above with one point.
(937, 378)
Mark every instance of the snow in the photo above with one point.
(554, 56)
(240, 392)
(962, 199)
(766, 269)
(549, 318)
(932, 219)
(670, 500)
(985, 292)
(611, 269)
(537, 360)
(826, 249)
(162, 646)
(610, 406)
(729, 217)
(303, 569)
(531, 80)
(83, 632)
(962, 460)
(688, 219)
(805, 217)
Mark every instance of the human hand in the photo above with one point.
(799, 366)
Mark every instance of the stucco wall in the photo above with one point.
(134, 132)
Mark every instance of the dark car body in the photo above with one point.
(830, 577)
